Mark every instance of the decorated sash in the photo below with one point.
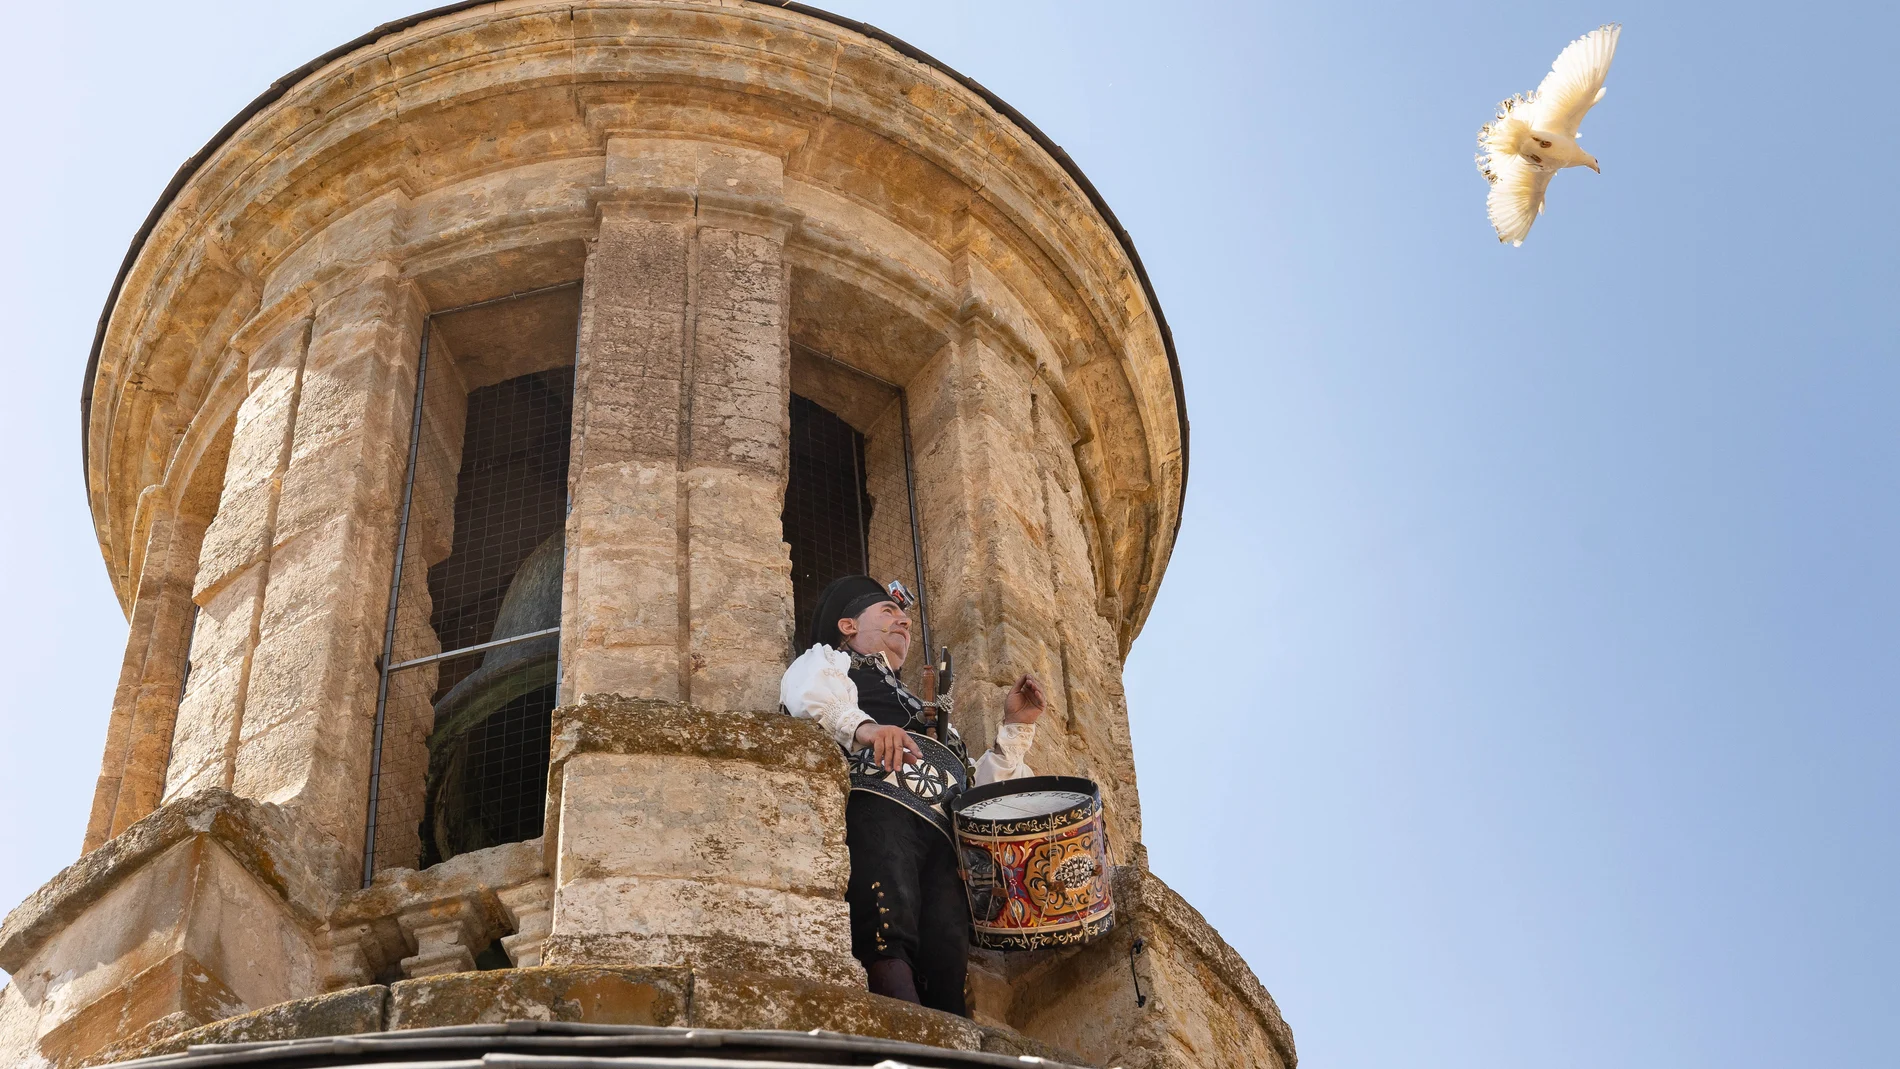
(926, 788)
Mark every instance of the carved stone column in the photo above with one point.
(292, 580)
(679, 585)
(682, 831)
(991, 596)
(304, 735)
(234, 558)
(621, 606)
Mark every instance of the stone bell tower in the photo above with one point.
(466, 430)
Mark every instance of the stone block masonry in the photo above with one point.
(680, 458)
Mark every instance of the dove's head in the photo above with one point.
(1591, 162)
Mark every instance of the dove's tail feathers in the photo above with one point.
(1501, 137)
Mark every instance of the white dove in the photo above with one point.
(1535, 136)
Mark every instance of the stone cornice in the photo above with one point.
(291, 859)
(610, 723)
(747, 214)
(642, 202)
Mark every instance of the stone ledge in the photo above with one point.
(394, 890)
(630, 950)
(610, 723)
(594, 994)
(665, 997)
(732, 999)
(267, 840)
(340, 1013)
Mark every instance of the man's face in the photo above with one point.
(882, 628)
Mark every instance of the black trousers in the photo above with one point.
(906, 897)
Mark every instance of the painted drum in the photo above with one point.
(1034, 854)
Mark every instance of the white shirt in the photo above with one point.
(818, 687)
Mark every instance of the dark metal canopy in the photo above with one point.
(565, 1045)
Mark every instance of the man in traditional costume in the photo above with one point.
(910, 920)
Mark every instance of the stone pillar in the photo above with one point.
(713, 840)
(991, 596)
(305, 730)
(145, 706)
(1012, 587)
(621, 611)
(1095, 711)
(689, 823)
(234, 557)
(678, 582)
(736, 453)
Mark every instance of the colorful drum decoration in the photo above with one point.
(1035, 862)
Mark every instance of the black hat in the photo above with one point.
(846, 597)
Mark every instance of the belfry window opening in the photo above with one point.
(850, 495)
(827, 514)
(468, 676)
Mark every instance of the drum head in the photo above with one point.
(1033, 796)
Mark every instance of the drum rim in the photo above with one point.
(1002, 788)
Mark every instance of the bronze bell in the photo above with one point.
(509, 676)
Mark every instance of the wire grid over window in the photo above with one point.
(827, 507)
(471, 659)
(849, 505)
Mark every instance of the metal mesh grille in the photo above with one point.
(847, 502)
(495, 789)
(464, 747)
(827, 516)
(511, 496)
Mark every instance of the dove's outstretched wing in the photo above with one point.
(1516, 198)
(1575, 81)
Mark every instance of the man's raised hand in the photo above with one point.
(1025, 702)
(891, 746)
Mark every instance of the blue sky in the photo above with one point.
(1522, 689)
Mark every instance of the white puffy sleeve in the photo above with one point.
(1005, 759)
(818, 687)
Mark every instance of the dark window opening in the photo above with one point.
(488, 754)
(492, 788)
(827, 514)
(510, 497)
(474, 614)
